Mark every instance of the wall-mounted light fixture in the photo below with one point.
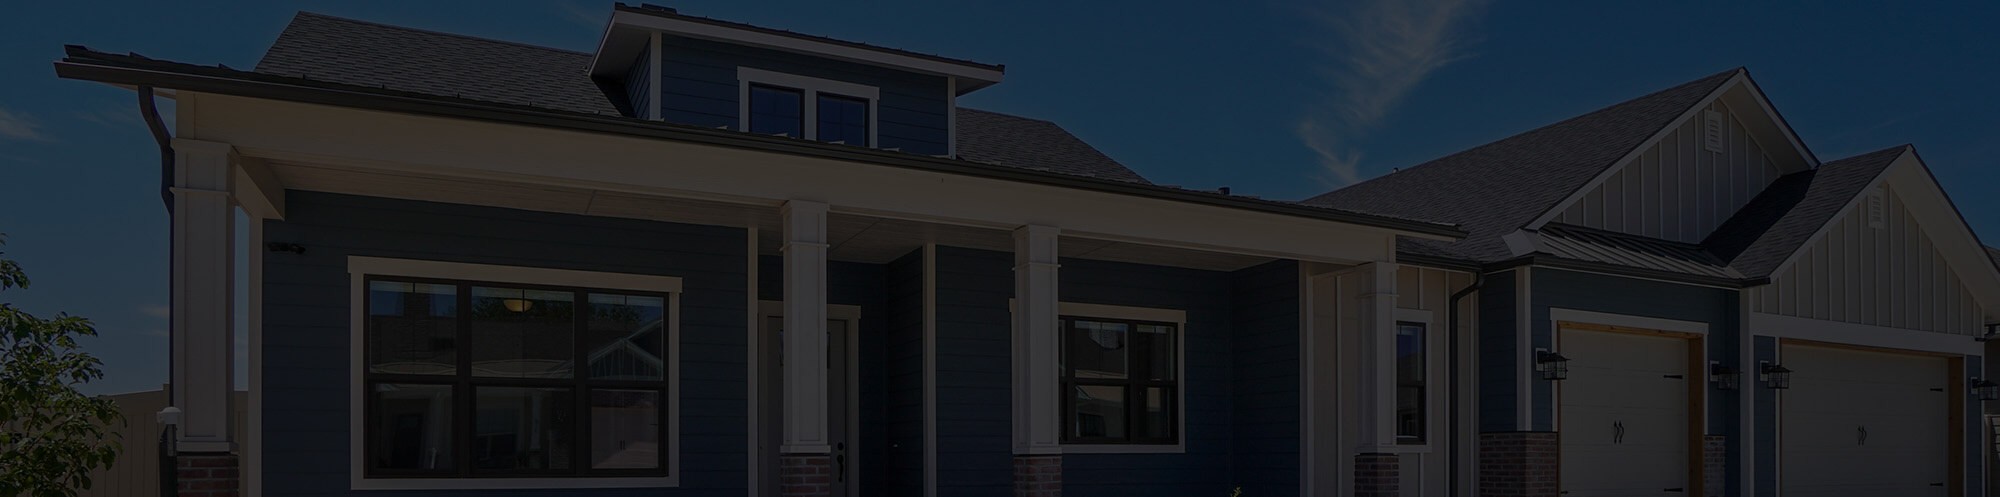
(1724, 377)
(1985, 390)
(1774, 376)
(1552, 366)
(1992, 331)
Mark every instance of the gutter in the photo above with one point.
(74, 68)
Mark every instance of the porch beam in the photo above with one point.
(805, 347)
(203, 285)
(1037, 341)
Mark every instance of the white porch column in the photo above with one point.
(204, 229)
(1037, 343)
(1375, 390)
(805, 346)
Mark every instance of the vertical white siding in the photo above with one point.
(1678, 189)
(1429, 289)
(1889, 276)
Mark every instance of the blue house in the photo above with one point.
(714, 258)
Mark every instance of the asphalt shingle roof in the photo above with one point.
(1500, 187)
(361, 53)
(1785, 215)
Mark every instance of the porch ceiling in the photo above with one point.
(855, 237)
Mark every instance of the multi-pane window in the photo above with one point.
(1411, 382)
(777, 111)
(842, 119)
(470, 379)
(1121, 383)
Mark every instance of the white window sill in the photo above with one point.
(507, 483)
(1123, 449)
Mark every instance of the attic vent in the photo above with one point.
(1878, 214)
(1711, 131)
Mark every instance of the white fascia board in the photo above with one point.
(1883, 337)
(413, 144)
(708, 31)
(1692, 110)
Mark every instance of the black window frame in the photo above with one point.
(867, 116)
(463, 387)
(1421, 384)
(750, 108)
(1135, 386)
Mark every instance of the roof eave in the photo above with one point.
(108, 72)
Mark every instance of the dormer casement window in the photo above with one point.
(775, 103)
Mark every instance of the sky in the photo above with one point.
(1277, 99)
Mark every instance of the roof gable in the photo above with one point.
(1786, 216)
(1504, 186)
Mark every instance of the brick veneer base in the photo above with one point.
(805, 475)
(1037, 476)
(1714, 464)
(1377, 475)
(207, 475)
(1519, 464)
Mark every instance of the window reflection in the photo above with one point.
(624, 429)
(777, 111)
(627, 337)
(522, 428)
(519, 333)
(412, 328)
(842, 119)
(411, 428)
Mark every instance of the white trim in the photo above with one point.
(809, 88)
(930, 370)
(754, 321)
(1746, 393)
(656, 110)
(359, 268)
(379, 266)
(253, 439)
(793, 44)
(1560, 315)
(1432, 362)
(951, 117)
(1524, 353)
(1179, 318)
(1774, 325)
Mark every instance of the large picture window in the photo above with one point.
(467, 379)
(1121, 381)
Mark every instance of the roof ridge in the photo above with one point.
(306, 13)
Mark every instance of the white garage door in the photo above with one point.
(1862, 423)
(1624, 416)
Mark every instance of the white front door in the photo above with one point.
(1863, 423)
(1624, 415)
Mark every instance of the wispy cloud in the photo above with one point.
(591, 14)
(158, 311)
(110, 116)
(1372, 55)
(20, 127)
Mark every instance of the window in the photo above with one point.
(1412, 362)
(809, 108)
(1120, 381)
(468, 379)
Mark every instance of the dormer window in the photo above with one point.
(776, 103)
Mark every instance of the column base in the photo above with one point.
(1519, 464)
(805, 475)
(1038, 476)
(1378, 475)
(1714, 465)
(207, 475)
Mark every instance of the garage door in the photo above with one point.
(1624, 422)
(1862, 423)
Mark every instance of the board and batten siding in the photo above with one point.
(699, 87)
(1678, 189)
(307, 360)
(1882, 274)
(1429, 289)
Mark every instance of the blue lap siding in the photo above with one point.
(307, 333)
(1499, 354)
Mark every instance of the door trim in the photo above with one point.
(1697, 390)
(767, 309)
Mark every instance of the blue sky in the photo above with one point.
(1278, 99)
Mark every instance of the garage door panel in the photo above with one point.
(1623, 417)
(1859, 423)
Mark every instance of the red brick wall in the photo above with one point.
(805, 475)
(207, 475)
(1519, 464)
(1714, 465)
(1037, 476)
(1377, 475)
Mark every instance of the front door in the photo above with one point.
(1624, 415)
(839, 398)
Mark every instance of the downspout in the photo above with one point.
(1452, 360)
(150, 111)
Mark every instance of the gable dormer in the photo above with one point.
(718, 74)
(1695, 174)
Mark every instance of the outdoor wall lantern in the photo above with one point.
(1986, 390)
(1724, 377)
(1992, 331)
(1775, 376)
(1553, 366)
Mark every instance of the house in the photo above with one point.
(713, 258)
(1733, 314)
